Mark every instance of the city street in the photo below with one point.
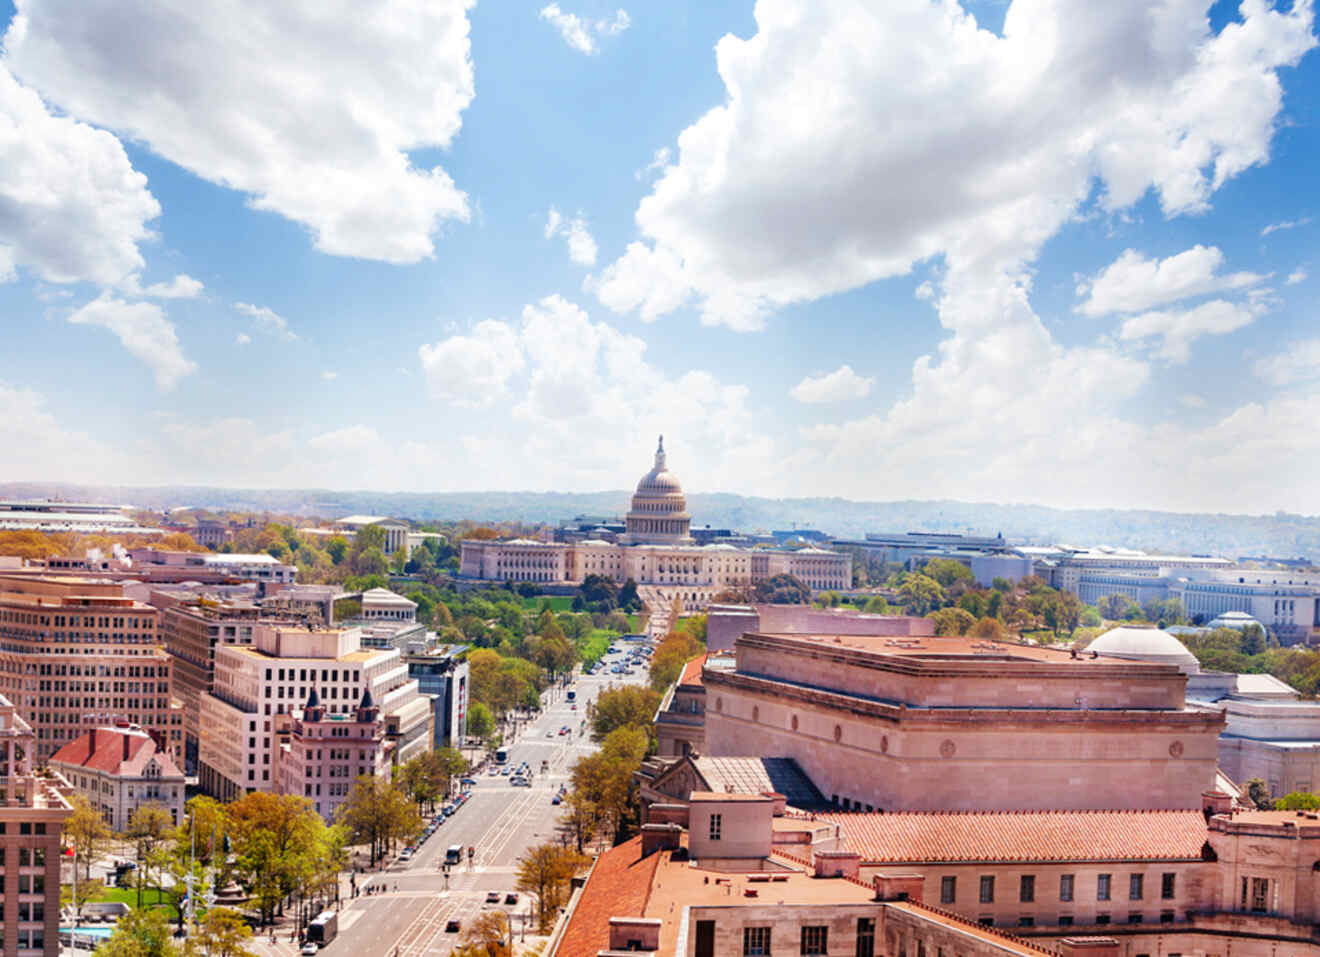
(499, 821)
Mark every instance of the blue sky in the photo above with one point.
(1049, 251)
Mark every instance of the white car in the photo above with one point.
(309, 948)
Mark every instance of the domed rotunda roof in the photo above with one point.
(1146, 644)
(658, 515)
(659, 479)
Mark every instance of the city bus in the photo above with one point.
(324, 928)
(454, 855)
(501, 755)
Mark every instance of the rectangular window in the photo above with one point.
(1136, 886)
(756, 941)
(1026, 921)
(1260, 894)
(1027, 889)
(1102, 887)
(1102, 918)
(814, 940)
(1065, 920)
(1135, 917)
(948, 890)
(985, 920)
(1167, 886)
(1166, 917)
(716, 824)
(987, 889)
(866, 937)
(1065, 887)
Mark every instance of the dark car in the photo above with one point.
(492, 897)
(510, 898)
(453, 927)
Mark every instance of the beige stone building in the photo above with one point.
(32, 812)
(76, 653)
(655, 551)
(961, 724)
(246, 720)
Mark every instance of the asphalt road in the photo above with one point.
(499, 821)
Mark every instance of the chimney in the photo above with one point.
(660, 837)
(125, 737)
(836, 863)
(1216, 802)
(898, 887)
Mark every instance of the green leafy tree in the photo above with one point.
(948, 572)
(1298, 801)
(952, 621)
(149, 826)
(378, 813)
(625, 707)
(919, 593)
(480, 723)
(545, 871)
(86, 831)
(141, 933)
(781, 589)
(223, 932)
(276, 840)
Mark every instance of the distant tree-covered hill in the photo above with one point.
(1280, 535)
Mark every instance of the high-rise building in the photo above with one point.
(76, 653)
(247, 718)
(32, 811)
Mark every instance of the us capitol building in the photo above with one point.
(656, 551)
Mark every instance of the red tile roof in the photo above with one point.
(915, 837)
(619, 886)
(692, 671)
(103, 749)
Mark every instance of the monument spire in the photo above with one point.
(660, 454)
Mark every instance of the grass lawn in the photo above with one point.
(557, 603)
(127, 895)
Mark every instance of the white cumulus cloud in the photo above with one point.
(143, 329)
(268, 319)
(72, 207)
(841, 384)
(577, 236)
(1299, 362)
(581, 33)
(1177, 329)
(1296, 276)
(180, 287)
(242, 339)
(472, 370)
(1134, 282)
(310, 109)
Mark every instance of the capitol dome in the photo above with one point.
(1146, 644)
(658, 515)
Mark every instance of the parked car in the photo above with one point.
(309, 948)
(466, 782)
(511, 898)
(492, 897)
(453, 927)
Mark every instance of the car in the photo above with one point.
(494, 771)
(309, 948)
(492, 897)
(507, 771)
(467, 782)
(550, 733)
(511, 898)
(406, 854)
(564, 730)
(556, 800)
(454, 926)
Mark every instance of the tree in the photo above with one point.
(372, 561)
(1298, 801)
(141, 933)
(627, 706)
(1258, 792)
(674, 651)
(223, 933)
(488, 935)
(952, 621)
(277, 839)
(337, 547)
(628, 598)
(603, 785)
(86, 831)
(480, 724)
(545, 871)
(876, 605)
(948, 572)
(987, 628)
(378, 813)
(781, 589)
(919, 593)
(148, 827)
(1115, 607)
